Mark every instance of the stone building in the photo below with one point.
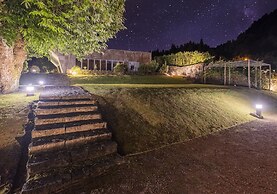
(104, 61)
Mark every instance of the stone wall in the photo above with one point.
(11, 65)
(191, 71)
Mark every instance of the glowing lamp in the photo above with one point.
(259, 108)
(30, 90)
(41, 82)
(74, 73)
(258, 114)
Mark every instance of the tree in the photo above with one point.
(76, 27)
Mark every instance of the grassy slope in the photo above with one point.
(151, 111)
(13, 110)
(144, 118)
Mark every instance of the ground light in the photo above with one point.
(74, 73)
(258, 114)
(30, 90)
(41, 83)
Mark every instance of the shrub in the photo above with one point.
(76, 70)
(121, 68)
(185, 58)
(149, 68)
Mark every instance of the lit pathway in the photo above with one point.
(242, 159)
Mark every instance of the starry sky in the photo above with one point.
(156, 24)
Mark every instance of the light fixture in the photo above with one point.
(258, 114)
(30, 90)
(41, 82)
(74, 73)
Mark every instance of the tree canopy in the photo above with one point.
(185, 58)
(76, 27)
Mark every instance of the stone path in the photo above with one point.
(242, 159)
(70, 141)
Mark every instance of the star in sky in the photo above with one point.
(156, 24)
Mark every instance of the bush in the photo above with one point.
(121, 68)
(185, 58)
(149, 68)
(76, 70)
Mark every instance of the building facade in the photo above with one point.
(104, 61)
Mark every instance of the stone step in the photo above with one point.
(63, 110)
(52, 160)
(70, 97)
(45, 104)
(66, 119)
(63, 141)
(70, 129)
(58, 180)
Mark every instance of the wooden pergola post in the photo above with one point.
(260, 77)
(249, 74)
(256, 77)
(229, 75)
(269, 77)
(225, 74)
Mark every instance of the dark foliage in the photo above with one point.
(190, 46)
(259, 42)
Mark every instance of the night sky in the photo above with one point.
(156, 24)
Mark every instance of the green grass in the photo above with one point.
(13, 111)
(147, 118)
(146, 112)
(127, 79)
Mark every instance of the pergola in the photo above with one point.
(247, 64)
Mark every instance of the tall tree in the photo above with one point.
(36, 27)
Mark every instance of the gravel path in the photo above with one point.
(242, 159)
(63, 92)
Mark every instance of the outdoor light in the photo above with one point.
(74, 73)
(258, 114)
(259, 108)
(30, 90)
(41, 83)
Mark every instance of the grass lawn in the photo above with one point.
(147, 112)
(127, 79)
(147, 116)
(13, 110)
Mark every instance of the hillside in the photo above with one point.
(147, 118)
(257, 42)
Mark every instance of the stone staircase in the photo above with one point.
(70, 141)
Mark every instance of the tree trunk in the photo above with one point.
(11, 65)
